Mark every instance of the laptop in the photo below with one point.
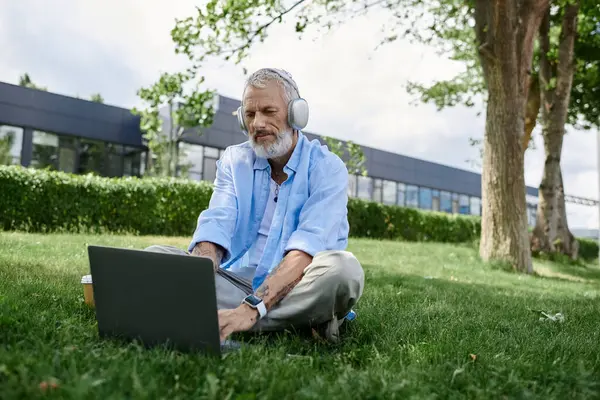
(156, 299)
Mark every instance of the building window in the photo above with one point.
(412, 196)
(531, 215)
(446, 202)
(351, 185)
(45, 150)
(475, 206)
(464, 204)
(435, 197)
(400, 199)
(365, 188)
(114, 160)
(91, 157)
(132, 161)
(209, 168)
(11, 142)
(191, 161)
(425, 198)
(377, 190)
(455, 206)
(389, 192)
(67, 154)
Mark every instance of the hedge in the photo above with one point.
(47, 201)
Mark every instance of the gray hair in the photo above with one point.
(262, 77)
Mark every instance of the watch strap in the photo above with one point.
(262, 309)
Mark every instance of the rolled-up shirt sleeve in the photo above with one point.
(323, 213)
(216, 224)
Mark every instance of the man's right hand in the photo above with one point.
(210, 250)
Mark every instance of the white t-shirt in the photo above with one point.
(255, 252)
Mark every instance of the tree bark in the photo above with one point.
(532, 110)
(506, 31)
(551, 210)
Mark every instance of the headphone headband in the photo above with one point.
(286, 76)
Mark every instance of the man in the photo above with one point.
(276, 227)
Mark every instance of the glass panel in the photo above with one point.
(351, 185)
(211, 152)
(475, 206)
(91, 157)
(435, 204)
(464, 204)
(455, 207)
(210, 169)
(45, 150)
(412, 196)
(365, 187)
(400, 200)
(66, 160)
(425, 198)
(389, 192)
(377, 190)
(191, 160)
(446, 202)
(11, 142)
(531, 215)
(114, 166)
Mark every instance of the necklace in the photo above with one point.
(276, 186)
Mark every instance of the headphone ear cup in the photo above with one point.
(240, 117)
(298, 114)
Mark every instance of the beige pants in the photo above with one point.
(332, 284)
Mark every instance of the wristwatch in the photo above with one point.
(257, 303)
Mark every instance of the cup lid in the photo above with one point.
(86, 279)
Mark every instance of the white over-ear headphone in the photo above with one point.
(297, 108)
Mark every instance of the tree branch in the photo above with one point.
(545, 68)
(263, 27)
(530, 14)
(565, 68)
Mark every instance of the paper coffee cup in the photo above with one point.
(88, 290)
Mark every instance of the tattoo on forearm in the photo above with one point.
(280, 281)
(210, 250)
(281, 293)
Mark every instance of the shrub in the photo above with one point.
(44, 201)
(588, 249)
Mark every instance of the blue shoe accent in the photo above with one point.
(351, 316)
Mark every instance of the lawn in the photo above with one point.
(434, 322)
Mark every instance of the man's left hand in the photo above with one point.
(239, 319)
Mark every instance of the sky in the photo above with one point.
(355, 91)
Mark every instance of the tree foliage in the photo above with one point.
(185, 105)
(351, 153)
(25, 81)
(97, 98)
(455, 38)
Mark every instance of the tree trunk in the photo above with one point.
(566, 242)
(551, 211)
(505, 31)
(532, 109)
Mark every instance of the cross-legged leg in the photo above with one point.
(332, 284)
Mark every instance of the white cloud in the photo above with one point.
(116, 46)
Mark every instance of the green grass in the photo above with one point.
(426, 308)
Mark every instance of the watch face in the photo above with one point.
(253, 300)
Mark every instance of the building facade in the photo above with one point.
(46, 130)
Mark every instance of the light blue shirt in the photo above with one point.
(311, 214)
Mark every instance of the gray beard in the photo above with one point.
(282, 145)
